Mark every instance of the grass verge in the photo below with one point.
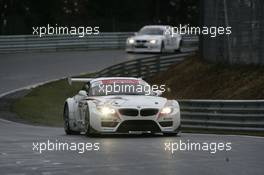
(43, 105)
(197, 79)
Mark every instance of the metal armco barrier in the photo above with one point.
(143, 67)
(29, 43)
(223, 115)
(111, 40)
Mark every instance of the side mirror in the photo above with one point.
(82, 93)
(158, 93)
(136, 33)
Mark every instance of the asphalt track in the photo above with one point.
(24, 69)
(117, 154)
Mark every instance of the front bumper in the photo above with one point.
(126, 124)
(146, 47)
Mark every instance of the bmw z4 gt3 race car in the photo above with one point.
(98, 109)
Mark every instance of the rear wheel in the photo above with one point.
(67, 128)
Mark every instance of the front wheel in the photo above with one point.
(88, 130)
(67, 128)
(162, 47)
(179, 47)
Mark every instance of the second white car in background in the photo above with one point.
(154, 38)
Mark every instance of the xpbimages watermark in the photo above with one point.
(211, 147)
(212, 31)
(80, 31)
(51, 146)
(130, 88)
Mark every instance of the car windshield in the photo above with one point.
(151, 31)
(120, 88)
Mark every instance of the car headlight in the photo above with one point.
(153, 41)
(107, 110)
(131, 41)
(166, 110)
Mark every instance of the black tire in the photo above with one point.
(67, 128)
(180, 46)
(87, 129)
(162, 47)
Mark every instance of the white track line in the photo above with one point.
(29, 87)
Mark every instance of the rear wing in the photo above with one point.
(85, 80)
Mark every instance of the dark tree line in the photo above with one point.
(18, 16)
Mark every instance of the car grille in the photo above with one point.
(128, 112)
(148, 112)
(138, 125)
(141, 41)
(135, 112)
(141, 46)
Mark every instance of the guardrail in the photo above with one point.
(223, 115)
(143, 67)
(111, 40)
(25, 43)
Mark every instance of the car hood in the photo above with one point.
(148, 37)
(131, 101)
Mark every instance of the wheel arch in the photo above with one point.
(71, 106)
(90, 107)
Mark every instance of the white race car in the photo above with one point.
(156, 38)
(97, 110)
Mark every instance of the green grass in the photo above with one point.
(43, 105)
